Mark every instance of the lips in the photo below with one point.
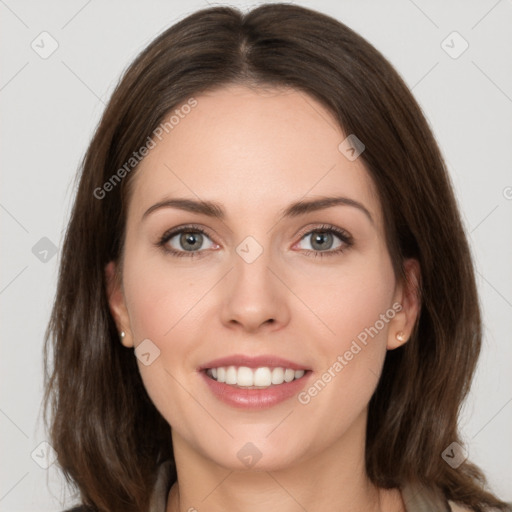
(254, 399)
(270, 361)
(249, 397)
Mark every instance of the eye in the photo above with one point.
(327, 240)
(186, 241)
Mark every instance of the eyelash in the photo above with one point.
(343, 235)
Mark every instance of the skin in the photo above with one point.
(255, 152)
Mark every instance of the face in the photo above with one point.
(314, 287)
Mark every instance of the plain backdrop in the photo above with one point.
(50, 105)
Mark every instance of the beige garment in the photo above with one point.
(416, 499)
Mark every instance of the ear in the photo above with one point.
(117, 303)
(408, 295)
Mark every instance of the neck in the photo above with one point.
(334, 479)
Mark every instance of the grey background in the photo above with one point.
(50, 107)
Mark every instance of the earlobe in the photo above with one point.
(117, 304)
(396, 340)
(409, 296)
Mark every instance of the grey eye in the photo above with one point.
(321, 240)
(188, 241)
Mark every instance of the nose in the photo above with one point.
(254, 298)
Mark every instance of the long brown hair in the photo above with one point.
(107, 433)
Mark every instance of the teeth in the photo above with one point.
(277, 376)
(231, 375)
(263, 377)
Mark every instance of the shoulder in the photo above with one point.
(420, 498)
(454, 507)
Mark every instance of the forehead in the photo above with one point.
(251, 148)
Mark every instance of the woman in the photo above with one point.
(266, 297)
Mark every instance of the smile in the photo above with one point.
(254, 378)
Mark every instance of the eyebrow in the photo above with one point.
(215, 210)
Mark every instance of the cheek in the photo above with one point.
(354, 304)
(349, 299)
(160, 296)
(166, 305)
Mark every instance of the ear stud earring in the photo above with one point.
(122, 334)
(400, 336)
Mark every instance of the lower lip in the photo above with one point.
(255, 398)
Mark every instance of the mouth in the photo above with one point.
(263, 377)
(254, 382)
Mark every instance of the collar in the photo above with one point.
(417, 498)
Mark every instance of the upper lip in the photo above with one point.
(253, 362)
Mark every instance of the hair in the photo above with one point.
(108, 435)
